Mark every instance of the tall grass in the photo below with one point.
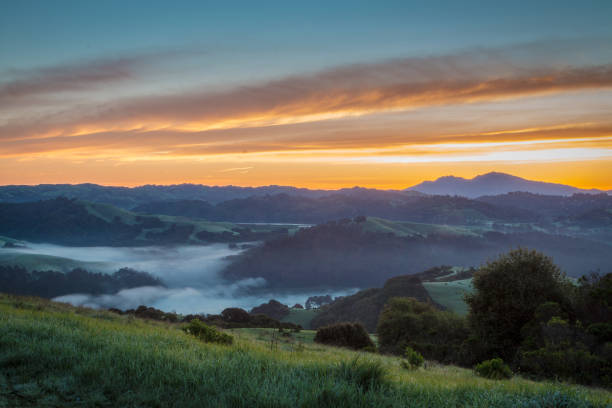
(56, 355)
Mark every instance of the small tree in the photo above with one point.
(412, 359)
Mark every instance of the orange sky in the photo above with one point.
(391, 124)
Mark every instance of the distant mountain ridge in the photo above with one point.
(494, 183)
(138, 198)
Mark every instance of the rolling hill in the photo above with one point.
(366, 251)
(72, 222)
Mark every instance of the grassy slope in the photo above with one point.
(57, 355)
(450, 294)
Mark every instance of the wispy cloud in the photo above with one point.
(29, 84)
(342, 92)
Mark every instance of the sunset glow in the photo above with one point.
(197, 106)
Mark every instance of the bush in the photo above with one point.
(413, 359)
(207, 333)
(351, 335)
(573, 364)
(494, 369)
(365, 374)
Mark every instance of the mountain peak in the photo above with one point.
(493, 183)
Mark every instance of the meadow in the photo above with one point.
(53, 354)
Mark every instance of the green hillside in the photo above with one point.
(55, 355)
(450, 294)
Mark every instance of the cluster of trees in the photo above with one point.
(230, 318)
(524, 311)
(19, 281)
(351, 335)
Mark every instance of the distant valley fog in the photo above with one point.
(191, 274)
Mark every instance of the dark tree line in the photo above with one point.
(19, 281)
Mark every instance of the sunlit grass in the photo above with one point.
(58, 355)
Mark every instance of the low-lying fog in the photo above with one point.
(191, 274)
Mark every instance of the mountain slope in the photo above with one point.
(493, 184)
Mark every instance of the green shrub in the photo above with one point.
(573, 364)
(207, 333)
(365, 374)
(494, 369)
(351, 335)
(412, 359)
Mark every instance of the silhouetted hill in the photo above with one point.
(130, 197)
(365, 306)
(72, 222)
(493, 184)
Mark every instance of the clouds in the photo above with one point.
(397, 107)
(335, 93)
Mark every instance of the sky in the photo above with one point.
(313, 94)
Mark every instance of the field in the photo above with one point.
(450, 294)
(56, 355)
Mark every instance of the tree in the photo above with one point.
(507, 293)
(436, 334)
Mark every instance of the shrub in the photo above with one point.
(365, 374)
(207, 333)
(351, 335)
(494, 369)
(572, 364)
(413, 359)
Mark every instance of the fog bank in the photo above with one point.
(191, 274)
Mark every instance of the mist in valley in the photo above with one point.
(191, 275)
